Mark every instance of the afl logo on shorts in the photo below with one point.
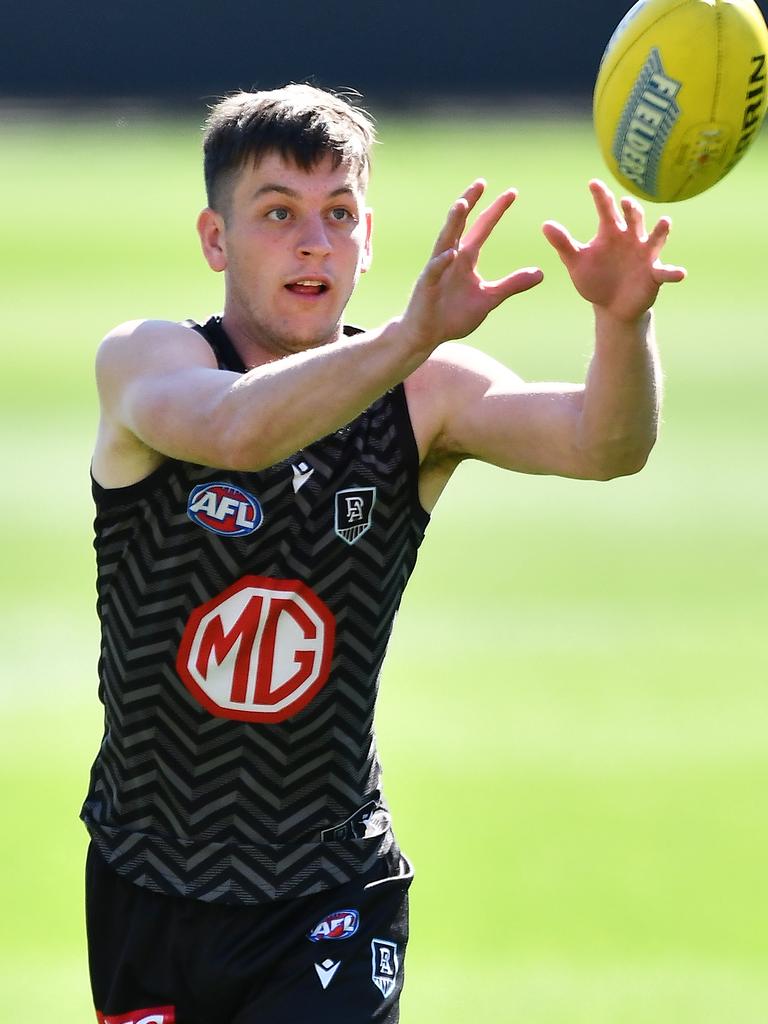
(342, 924)
(224, 509)
(260, 651)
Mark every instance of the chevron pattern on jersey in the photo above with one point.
(186, 801)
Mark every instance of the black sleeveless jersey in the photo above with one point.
(244, 621)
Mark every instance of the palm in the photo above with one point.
(451, 299)
(619, 269)
(462, 300)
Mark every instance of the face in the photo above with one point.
(292, 249)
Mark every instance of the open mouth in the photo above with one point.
(307, 286)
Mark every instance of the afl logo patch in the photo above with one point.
(342, 924)
(224, 509)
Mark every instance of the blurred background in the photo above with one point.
(573, 719)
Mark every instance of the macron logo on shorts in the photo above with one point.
(150, 1015)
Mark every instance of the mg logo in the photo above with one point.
(260, 651)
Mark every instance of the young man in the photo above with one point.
(262, 483)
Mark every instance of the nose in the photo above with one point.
(314, 239)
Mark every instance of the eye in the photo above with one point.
(341, 213)
(279, 213)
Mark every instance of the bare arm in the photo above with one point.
(620, 272)
(471, 406)
(160, 383)
(162, 394)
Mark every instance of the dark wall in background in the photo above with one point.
(404, 52)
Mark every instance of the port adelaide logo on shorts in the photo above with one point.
(224, 509)
(385, 965)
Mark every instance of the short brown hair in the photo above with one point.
(300, 122)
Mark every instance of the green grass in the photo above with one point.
(573, 719)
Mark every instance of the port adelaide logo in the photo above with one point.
(224, 509)
(353, 512)
(385, 965)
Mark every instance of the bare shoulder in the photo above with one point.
(148, 346)
(136, 364)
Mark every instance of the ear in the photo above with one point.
(210, 227)
(367, 258)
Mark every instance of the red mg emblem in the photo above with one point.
(260, 651)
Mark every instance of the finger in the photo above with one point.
(473, 192)
(470, 196)
(437, 266)
(513, 284)
(658, 237)
(456, 221)
(605, 203)
(561, 240)
(451, 231)
(634, 215)
(481, 230)
(665, 273)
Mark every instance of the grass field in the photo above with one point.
(574, 719)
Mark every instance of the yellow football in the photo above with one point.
(681, 94)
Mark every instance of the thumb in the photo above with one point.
(664, 273)
(513, 284)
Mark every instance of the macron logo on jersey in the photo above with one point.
(224, 509)
(301, 473)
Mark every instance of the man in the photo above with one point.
(262, 483)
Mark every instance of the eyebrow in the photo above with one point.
(283, 190)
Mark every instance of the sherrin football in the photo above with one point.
(681, 94)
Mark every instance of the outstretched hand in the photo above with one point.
(450, 299)
(619, 270)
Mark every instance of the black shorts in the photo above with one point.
(337, 956)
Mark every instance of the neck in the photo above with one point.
(257, 344)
